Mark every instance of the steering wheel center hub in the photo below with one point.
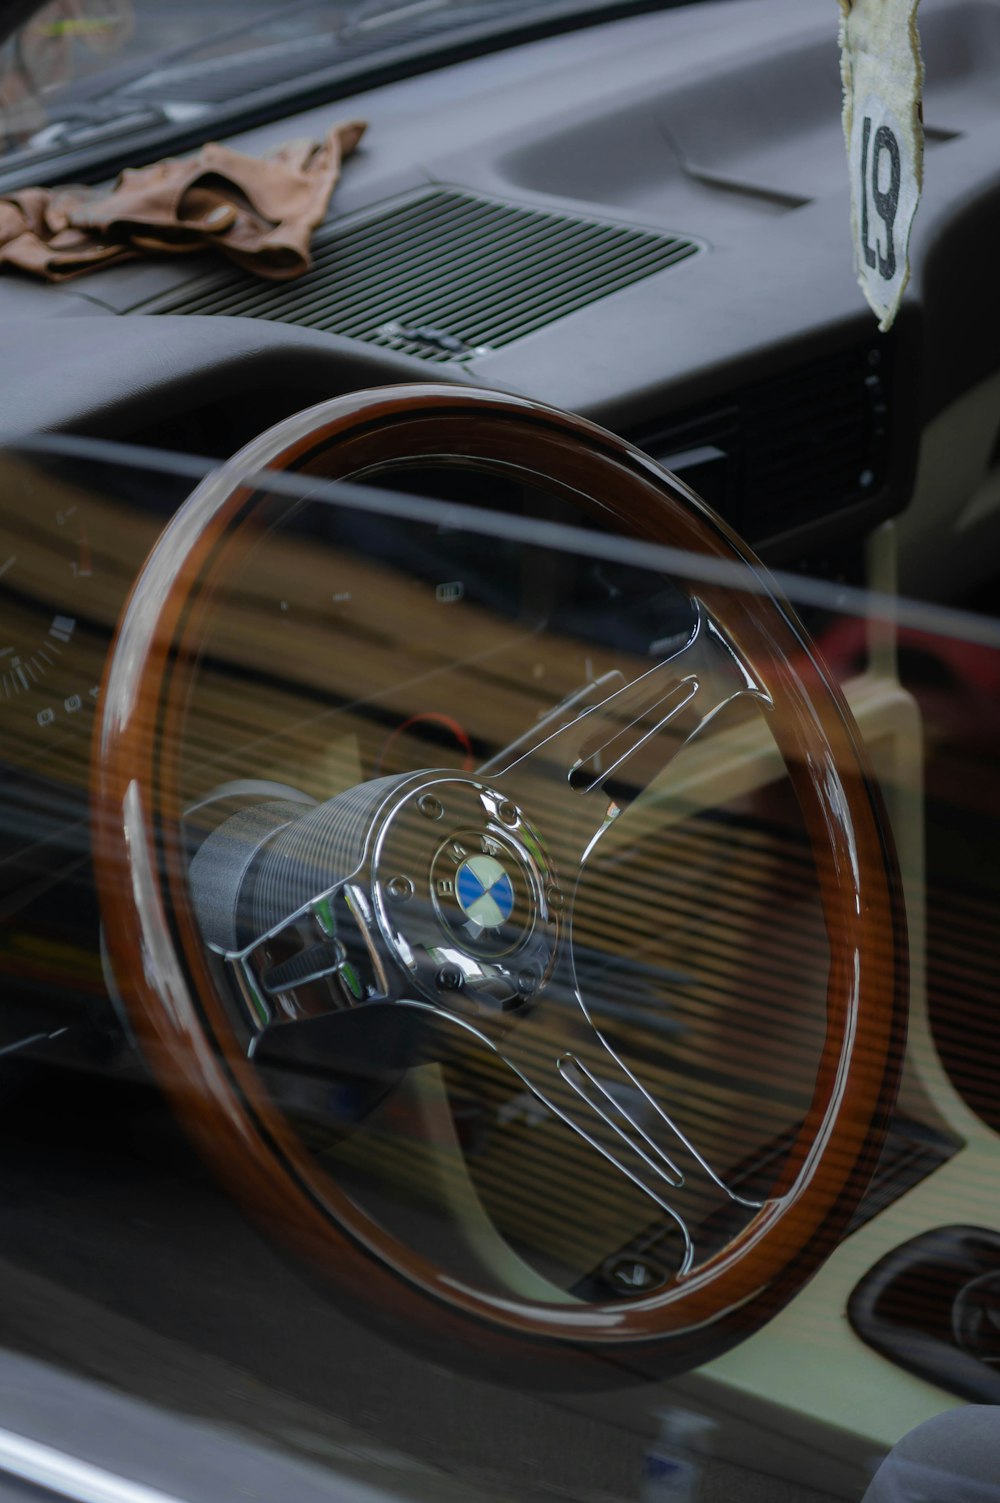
(463, 894)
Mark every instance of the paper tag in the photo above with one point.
(883, 128)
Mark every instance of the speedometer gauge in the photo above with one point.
(53, 601)
(46, 569)
(26, 665)
(69, 551)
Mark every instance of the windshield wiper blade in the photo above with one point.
(407, 41)
(85, 128)
(370, 15)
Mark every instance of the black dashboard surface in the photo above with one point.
(719, 123)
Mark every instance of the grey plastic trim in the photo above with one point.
(67, 1437)
(57, 1472)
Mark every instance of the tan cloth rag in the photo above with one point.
(258, 211)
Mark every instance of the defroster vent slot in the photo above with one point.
(443, 276)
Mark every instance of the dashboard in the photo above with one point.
(646, 224)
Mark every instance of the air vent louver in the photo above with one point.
(814, 440)
(445, 276)
(792, 449)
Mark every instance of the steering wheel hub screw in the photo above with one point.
(399, 889)
(507, 812)
(449, 979)
(527, 982)
(556, 899)
(429, 806)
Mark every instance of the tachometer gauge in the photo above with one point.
(409, 744)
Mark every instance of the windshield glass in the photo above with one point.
(344, 640)
(74, 73)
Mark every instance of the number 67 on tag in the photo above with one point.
(883, 76)
(885, 194)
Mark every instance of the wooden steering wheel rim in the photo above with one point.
(157, 955)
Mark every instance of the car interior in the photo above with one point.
(498, 748)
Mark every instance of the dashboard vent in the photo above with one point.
(813, 440)
(791, 449)
(445, 276)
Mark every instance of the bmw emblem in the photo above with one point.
(484, 891)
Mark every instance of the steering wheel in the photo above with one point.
(418, 913)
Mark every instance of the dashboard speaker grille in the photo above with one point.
(445, 276)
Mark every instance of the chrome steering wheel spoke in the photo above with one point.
(567, 1065)
(584, 773)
